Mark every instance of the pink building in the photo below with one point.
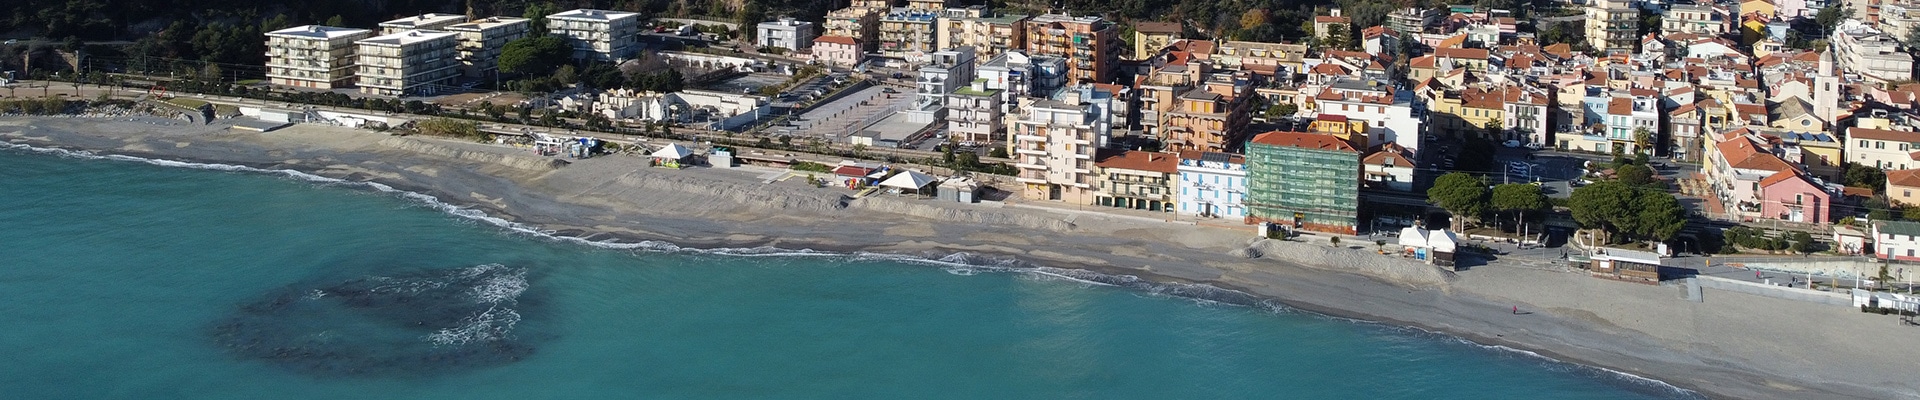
(838, 51)
(1790, 196)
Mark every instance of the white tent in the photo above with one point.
(912, 180)
(1413, 237)
(672, 152)
(1442, 241)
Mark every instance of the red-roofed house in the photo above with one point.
(1324, 25)
(1390, 167)
(838, 51)
(1469, 59)
(1136, 179)
(1790, 196)
(1735, 172)
(1304, 181)
(1901, 186)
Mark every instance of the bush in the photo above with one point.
(810, 166)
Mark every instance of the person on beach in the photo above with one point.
(1516, 310)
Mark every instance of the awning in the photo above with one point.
(909, 180)
(673, 151)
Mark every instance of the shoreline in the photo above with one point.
(1464, 309)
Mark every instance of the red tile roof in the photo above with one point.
(1683, 109)
(1476, 54)
(1331, 69)
(837, 39)
(1400, 156)
(1741, 153)
(1304, 140)
(1331, 118)
(1327, 19)
(1620, 106)
(1426, 61)
(1165, 163)
(1783, 176)
(1882, 134)
(1904, 177)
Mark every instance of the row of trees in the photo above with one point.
(1468, 196)
(1627, 213)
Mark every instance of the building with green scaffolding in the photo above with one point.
(1303, 181)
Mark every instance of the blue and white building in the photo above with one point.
(1212, 185)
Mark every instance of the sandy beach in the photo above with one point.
(1731, 345)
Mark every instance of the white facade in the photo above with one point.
(1874, 55)
(1387, 120)
(1053, 145)
(428, 21)
(785, 33)
(720, 110)
(597, 34)
(313, 56)
(974, 114)
(481, 41)
(1212, 185)
(407, 63)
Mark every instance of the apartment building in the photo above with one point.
(1053, 145)
(313, 56)
(428, 21)
(1392, 115)
(1612, 25)
(1138, 180)
(908, 33)
(407, 63)
(1696, 19)
(1212, 185)
(1209, 116)
(837, 51)
(858, 22)
(1411, 20)
(1880, 148)
(1876, 56)
(1304, 181)
(785, 33)
(946, 71)
(1150, 37)
(975, 113)
(481, 41)
(1090, 44)
(598, 35)
(990, 35)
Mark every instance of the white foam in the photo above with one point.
(496, 323)
(504, 286)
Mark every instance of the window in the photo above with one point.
(1879, 144)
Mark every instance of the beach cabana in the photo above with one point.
(671, 156)
(910, 180)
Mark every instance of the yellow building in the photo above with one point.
(1150, 37)
(1353, 131)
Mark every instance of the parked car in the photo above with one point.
(1533, 146)
(1511, 144)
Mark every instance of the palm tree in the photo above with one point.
(1642, 138)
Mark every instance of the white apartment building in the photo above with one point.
(481, 41)
(908, 33)
(974, 113)
(945, 71)
(1392, 115)
(785, 33)
(407, 63)
(1212, 185)
(1612, 25)
(428, 21)
(1874, 55)
(1693, 18)
(1053, 145)
(1880, 148)
(313, 56)
(598, 34)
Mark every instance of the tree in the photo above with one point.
(1282, 110)
(1602, 205)
(566, 75)
(335, 20)
(536, 14)
(1862, 176)
(1802, 243)
(1518, 198)
(1830, 17)
(1660, 215)
(1335, 240)
(1461, 194)
(536, 55)
(748, 17)
(1338, 36)
(1635, 175)
(1253, 18)
(1642, 140)
(1910, 213)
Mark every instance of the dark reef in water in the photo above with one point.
(423, 323)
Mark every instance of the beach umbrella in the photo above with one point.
(673, 152)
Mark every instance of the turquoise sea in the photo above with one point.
(121, 278)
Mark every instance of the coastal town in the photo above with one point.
(1756, 148)
(1606, 141)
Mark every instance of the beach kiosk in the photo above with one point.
(912, 180)
(1625, 265)
(1435, 247)
(671, 156)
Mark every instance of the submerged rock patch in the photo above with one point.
(421, 323)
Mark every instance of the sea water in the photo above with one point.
(124, 278)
